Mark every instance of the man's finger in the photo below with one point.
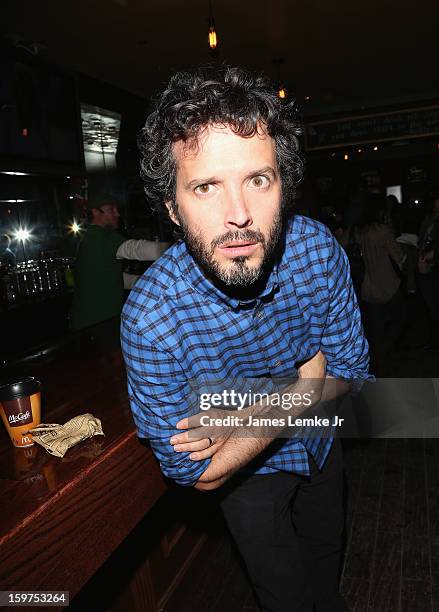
(205, 454)
(183, 424)
(190, 447)
(190, 422)
(191, 435)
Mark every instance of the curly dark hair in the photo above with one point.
(225, 96)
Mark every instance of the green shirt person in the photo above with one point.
(99, 287)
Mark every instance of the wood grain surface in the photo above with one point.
(61, 518)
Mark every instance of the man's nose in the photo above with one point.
(237, 213)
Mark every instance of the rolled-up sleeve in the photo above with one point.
(142, 250)
(159, 396)
(343, 342)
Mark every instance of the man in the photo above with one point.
(247, 294)
(99, 288)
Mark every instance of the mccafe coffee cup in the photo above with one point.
(20, 408)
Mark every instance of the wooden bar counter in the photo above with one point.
(61, 519)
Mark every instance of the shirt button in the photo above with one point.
(259, 314)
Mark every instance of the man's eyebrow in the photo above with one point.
(201, 181)
(265, 170)
(215, 179)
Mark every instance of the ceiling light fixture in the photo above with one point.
(282, 92)
(212, 37)
(14, 173)
(281, 89)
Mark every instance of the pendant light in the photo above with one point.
(212, 37)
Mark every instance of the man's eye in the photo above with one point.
(203, 189)
(259, 181)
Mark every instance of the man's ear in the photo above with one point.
(171, 212)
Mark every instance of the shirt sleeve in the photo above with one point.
(160, 395)
(142, 250)
(343, 342)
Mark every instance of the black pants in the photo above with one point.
(288, 529)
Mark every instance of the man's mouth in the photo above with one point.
(239, 248)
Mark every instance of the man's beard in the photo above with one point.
(239, 273)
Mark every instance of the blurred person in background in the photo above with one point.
(408, 241)
(428, 267)
(380, 289)
(392, 216)
(99, 286)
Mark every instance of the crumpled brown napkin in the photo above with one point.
(57, 439)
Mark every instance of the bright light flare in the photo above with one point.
(22, 234)
(75, 227)
(282, 93)
(15, 173)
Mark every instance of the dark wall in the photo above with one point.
(333, 181)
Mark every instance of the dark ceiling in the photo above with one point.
(343, 54)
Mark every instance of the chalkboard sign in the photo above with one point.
(379, 127)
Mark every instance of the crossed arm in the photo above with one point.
(229, 452)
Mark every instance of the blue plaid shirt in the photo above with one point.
(177, 327)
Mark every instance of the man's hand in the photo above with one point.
(202, 441)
